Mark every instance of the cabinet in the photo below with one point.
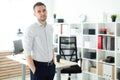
(104, 42)
(97, 43)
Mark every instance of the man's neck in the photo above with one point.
(43, 23)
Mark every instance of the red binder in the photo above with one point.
(100, 40)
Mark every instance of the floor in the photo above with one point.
(63, 77)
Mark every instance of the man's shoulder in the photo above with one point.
(50, 25)
(32, 25)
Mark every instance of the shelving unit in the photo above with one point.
(64, 29)
(105, 42)
(100, 40)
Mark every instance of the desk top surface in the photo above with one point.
(21, 59)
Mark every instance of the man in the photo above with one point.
(38, 46)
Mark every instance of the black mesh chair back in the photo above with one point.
(68, 51)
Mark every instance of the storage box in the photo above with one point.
(93, 69)
(90, 55)
(91, 31)
(60, 20)
(86, 65)
(83, 65)
(85, 31)
(100, 69)
(108, 71)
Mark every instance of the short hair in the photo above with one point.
(38, 4)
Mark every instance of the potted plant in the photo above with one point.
(54, 16)
(113, 17)
(21, 50)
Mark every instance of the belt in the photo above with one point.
(45, 63)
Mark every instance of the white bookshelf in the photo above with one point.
(102, 67)
(95, 69)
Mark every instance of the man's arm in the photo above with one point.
(30, 63)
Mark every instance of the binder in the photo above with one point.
(104, 42)
(100, 40)
(110, 43)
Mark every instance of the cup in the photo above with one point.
(58, 58)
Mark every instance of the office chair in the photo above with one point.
(68, 51)
(18, 47)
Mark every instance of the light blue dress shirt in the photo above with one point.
(38, 42)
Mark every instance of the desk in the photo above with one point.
(59, 66)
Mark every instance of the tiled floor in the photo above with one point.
(63, 77)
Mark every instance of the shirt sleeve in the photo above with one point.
(28, 41)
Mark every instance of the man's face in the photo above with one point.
(41, 13)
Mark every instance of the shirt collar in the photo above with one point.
(40, 23)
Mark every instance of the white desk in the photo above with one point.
(59, 66)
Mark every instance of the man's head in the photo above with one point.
(40, 11)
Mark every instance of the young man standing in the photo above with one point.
(38, 46)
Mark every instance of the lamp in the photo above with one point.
(19, 33)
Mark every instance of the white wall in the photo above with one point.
(16, 14)
(94, 9)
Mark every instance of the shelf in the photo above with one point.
(94, 60)
(104, 77)
(88, 42)
(106, 50)
(118, 67)
(101, 45)
(89, 73)
(90, 48)
(113, 64)
(112, 35)
(89, 35)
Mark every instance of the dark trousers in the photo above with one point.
(43, 71)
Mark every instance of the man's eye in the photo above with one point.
(39, 11)
(44, 10)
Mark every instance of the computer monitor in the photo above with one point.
(18, 47)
